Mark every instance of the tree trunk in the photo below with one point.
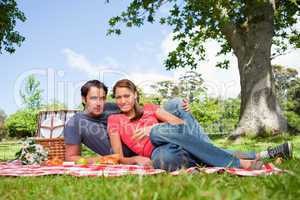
(260, 112)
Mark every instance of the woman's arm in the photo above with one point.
(162, 116)
(165, 116)
(116, 144)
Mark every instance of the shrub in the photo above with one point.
(2, 129)
(293, 121)
(217, 116)
(23, 123)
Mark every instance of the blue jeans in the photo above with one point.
(186, 145)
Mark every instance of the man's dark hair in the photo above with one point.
(92, 83)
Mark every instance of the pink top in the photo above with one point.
(121, 124)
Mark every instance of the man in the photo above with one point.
(90, 128)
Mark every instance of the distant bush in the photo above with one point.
(23, 123)
(292, 106)
(293, 121)
(217, 116)
(2, 129)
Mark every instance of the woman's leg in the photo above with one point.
(174, 106)
(202, 150)
(251, 155)
(171, 157)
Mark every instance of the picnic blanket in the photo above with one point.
(15, 169)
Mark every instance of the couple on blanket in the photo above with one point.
(165, 137)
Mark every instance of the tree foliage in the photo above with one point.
(287, 83)
(9, 15)
(23, 123)
(292, 105)
(2, 116)
(189, 86)
(2, 119)
(196, 21)
(32, 94)
(166, 89)
(217, 116)
(283, 79)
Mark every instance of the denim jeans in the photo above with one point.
(186, 145)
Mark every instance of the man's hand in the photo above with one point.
(185, 105)
(141, 160)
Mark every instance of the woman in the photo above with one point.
(147, 129)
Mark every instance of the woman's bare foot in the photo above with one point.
(251, 164)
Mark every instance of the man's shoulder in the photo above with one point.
(77, 115)
(74, 118)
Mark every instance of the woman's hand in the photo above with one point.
(141, 133)
(141, 160)
(185, 105)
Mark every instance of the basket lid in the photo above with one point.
(51, 123)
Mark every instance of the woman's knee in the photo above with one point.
(173, 105)
(170, 158)
(167, 161)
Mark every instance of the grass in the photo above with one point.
(164, 186)
(8, 149)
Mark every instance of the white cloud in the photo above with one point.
(219, 82)
(111, 62)
(145, 46)
(145, 80)
(168, 44)
(82, 64)
(223, 83)
(289, 60)
(112, 71)
(292, 59)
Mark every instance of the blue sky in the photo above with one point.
(66, 45)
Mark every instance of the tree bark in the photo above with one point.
(260, 112)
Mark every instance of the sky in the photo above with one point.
(66, 45)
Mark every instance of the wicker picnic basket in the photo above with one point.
(50, 131)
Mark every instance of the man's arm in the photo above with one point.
(73, 153)
(73, 141)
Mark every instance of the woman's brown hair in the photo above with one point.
(131, 86)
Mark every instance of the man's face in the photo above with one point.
(94, 101)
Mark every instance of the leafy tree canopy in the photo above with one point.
(9, 15)
(196, 21)
(32, 94)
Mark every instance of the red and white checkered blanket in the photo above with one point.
(15, 168)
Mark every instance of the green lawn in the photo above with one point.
(8, 149)
(164, 186)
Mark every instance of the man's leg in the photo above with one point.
(174, 106)
(171, 157)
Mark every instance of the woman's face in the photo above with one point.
(125, 99)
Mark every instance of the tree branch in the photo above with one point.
(234, 36)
